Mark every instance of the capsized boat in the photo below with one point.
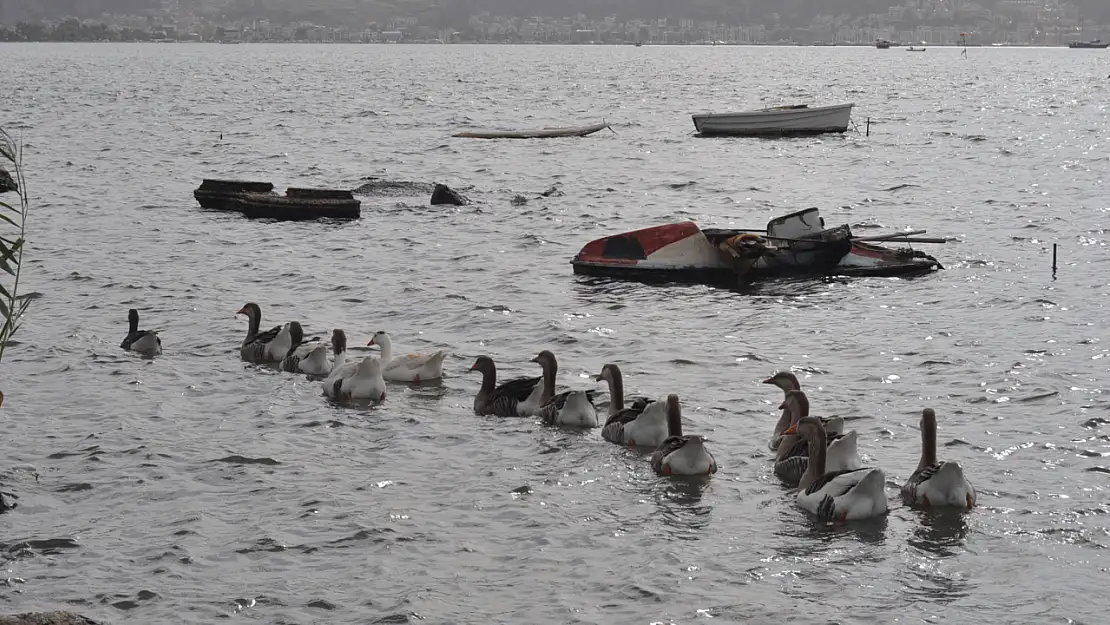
(795, 119)
(795, 245)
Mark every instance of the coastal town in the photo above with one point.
(914, 22)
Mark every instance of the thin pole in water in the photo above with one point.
(868, 126)
(1053, 261)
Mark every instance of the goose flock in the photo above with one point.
(813, 454)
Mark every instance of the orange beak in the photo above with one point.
(371, 342)
(782, 406)
(769, 381)
(792, 429)
(242, 311)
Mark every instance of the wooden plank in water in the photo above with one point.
(546, 133)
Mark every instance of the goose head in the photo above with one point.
(296, 332)
(785, 380)
(380, 339)
(809, 428)
(133, 319)
(545, 359)
(251, 310)
(485, 365)
(338, 341)
(674, 416)
(609, 373)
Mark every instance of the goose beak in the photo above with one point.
(792, 429)
(769, 381)
(371, 342)
(535, 360)
(782, 406)
(243, 311)
(599, 378)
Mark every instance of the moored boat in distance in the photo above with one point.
(913, 49)
(797, 119)
(1095, 44)
(795, 245)
(882, 44)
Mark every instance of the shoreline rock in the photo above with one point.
(47, 618)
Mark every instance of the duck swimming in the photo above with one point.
(269, 346)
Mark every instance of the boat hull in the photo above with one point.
(683, 253)
(546, 133)
(775, 122)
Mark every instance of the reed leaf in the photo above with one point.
(12, 305)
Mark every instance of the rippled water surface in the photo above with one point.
(193, 487)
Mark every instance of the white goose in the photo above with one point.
(678, 454)
(409, 368)
(837, 495)
(792, 458)
(570, 408)
(365, 383)
(643, 424)
(936, 484)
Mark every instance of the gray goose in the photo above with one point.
(570, 408)
(269, 346)
(141, 341)
(642, 424)
(514, 398)
(678, 454)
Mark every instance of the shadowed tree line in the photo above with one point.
(70, 29)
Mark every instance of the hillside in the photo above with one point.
(456, 12)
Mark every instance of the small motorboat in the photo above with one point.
(1095, 44)
(913, 49)
(882, 44)
(795, 245)
(797, 119)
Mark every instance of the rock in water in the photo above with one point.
(7, 183)
(46, 618)
(444, 194)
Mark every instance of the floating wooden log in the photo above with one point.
(546, 133)
(257, 199)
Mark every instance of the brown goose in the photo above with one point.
(678, 454)
(936, 484)
(643, 424)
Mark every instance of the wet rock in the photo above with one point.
(553, 191)
(391, 188)
(7, 502)
(444, 194)
(519, 200)
(7, 183)
(47, 618)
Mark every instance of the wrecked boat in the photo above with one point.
(545, 133)
(795, 245)
(259, 200)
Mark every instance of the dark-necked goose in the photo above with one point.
(570, 408)
(309, 357)
(643, 424)
(269, 346)
(792, 458)
(140, 341)
(410, 367)
(936, 484)
(837, 495)
(515, 398)
(678, 454)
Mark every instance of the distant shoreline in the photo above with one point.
(894, 47)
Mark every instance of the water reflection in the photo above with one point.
(939, 532)
(680, 509)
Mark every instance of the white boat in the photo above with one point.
(799, 119)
